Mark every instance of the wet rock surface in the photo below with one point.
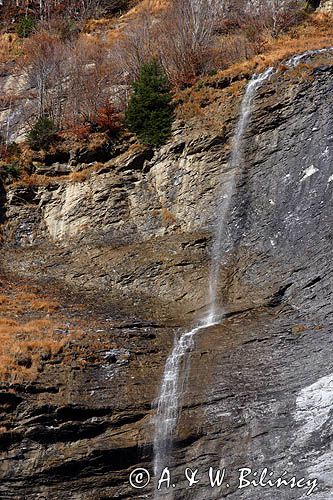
(133, 242)
(273, 363)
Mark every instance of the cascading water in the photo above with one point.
(177, 364)
(171, 391)
(298, 58)
(168, 401)
(235, 162)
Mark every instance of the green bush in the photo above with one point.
(12, 170)
(42, 133)
(149, 113)
(25, 26)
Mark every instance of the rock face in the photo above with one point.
(133, 240)
(326, 5)
(163, 203)
(20, 103)
(2, 202)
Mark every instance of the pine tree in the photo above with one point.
(42, 133)
(149, 113)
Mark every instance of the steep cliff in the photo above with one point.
(132, 243)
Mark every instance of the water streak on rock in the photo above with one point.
(227, 191)
(177, 364)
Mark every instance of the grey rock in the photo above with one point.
(54, 170)
(133, 240)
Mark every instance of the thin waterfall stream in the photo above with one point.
(177, 364)
(174, 377)
(224, 205)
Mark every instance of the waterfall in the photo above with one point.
(176, 367)
(298, 58)
(235, 162)
(168, 401)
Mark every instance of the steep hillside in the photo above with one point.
(128, 246)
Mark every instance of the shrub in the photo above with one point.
(80, 131)
(107, 120)
(12, 170)
(149, 113)
(13, 149)
(25, 26)
(9, 162)
(42, 133)
(64, 28)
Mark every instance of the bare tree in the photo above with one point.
(186, 35)
(134, 47)
(88, 79)
(45, 9)
(259, 16)
(45, 65)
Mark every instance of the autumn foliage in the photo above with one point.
(107, 119)
(84, 80)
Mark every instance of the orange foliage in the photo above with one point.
(79, 131)
(28, 335)
(168, 217)
(8, 47)
(107, 119)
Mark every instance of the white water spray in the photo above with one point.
(298, 58)
(176, 368)
(168, 401)
(177, 365)
(228, 189)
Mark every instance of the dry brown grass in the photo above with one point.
(28, 334)
(85, 174)
(209, 107)
(168, 217)
(300, 328)
(108, 23)
(49, 306)
(9, 47)
(315, 33)
(36, 180)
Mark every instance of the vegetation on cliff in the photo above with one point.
(42, 133)
(149, 112)
(80, 61)
(28, 335)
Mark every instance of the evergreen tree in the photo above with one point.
(25, 26)
(149, 113)
(41, 134)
